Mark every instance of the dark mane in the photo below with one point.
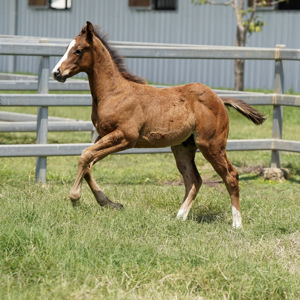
(118, 60)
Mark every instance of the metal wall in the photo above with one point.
(190, 24)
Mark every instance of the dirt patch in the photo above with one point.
(210, 182)
(173, 183)
(217, 183)
(250, 170)
(277, 174)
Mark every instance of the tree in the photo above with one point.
(247, 22)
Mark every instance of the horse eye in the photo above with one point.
(78, 51)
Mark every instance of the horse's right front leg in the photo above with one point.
(111, 143)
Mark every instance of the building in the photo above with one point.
(165, 21)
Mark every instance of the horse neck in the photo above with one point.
(104, 77)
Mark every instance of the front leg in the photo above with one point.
(113, 142)
(101, 198)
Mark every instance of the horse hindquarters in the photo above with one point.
(211, 137)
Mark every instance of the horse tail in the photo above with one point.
(246, 110)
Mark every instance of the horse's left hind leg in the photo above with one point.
(216, 155)
(185, 155)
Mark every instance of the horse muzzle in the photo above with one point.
(57, 75)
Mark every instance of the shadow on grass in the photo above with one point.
(294, 176)
(293, 180)
(201, 215)
(248, 177)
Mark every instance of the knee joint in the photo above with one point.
(235, 174)
(234, 182)
(85, 158)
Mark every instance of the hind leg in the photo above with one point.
(216, 155)
(184, 155)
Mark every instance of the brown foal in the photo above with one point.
(128, 113)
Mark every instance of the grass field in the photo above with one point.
(49, 250)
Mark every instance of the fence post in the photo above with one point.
(42, 120)
(277, 109)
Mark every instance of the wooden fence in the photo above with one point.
(11, 45)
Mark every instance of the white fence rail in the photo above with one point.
(10, 45)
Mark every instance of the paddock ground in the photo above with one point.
(49, 250)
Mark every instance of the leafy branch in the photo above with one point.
(246, 19)
(246, 22)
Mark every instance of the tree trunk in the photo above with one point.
(239, 64)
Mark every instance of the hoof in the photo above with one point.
(235, 226)
(113, 205)
(119, 206)
(75, 203)
(104, 201)
(182, 215)
(75, 197)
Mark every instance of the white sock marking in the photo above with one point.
(71, 45)
(236, 218)
(182, 214)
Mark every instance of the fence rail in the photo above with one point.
(76, 149)
(145, 50)
(86, 100)
(11, 45)
(52, 126)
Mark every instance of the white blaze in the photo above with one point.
(71, 45)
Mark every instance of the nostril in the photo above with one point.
(56, 73)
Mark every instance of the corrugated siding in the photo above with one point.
(7, 26)
(209, 25)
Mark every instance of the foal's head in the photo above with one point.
(78, 57)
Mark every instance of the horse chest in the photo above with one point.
(103, 122)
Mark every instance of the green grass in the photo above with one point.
(49, 250)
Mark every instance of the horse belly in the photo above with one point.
(166, 130)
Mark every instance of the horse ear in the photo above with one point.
(89, 31)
